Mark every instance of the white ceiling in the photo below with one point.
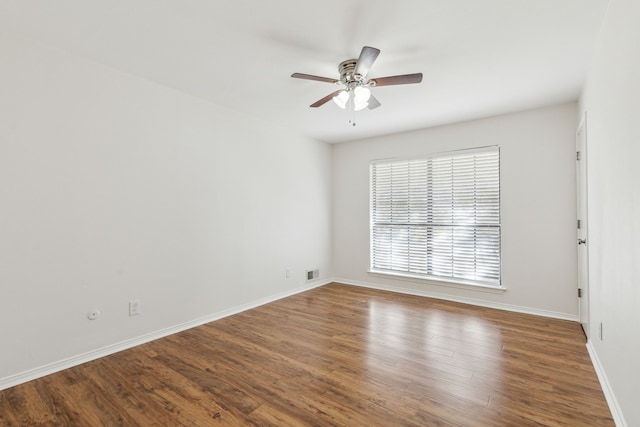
(479, 57)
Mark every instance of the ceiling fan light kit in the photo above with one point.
(341, 99)
(356, 92)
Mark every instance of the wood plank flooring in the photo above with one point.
(334, 356)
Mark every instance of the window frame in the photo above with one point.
(447, 280)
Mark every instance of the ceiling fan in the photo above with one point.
(356, 86)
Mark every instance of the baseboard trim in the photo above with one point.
(79, 359)
(616, 412)
(464, 300)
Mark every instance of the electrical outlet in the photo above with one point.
(134, 307)
(287, 273)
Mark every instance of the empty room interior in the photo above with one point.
(411, 213)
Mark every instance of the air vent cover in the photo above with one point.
(312, 274)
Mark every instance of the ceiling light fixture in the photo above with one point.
(361, 95)
(342, 98)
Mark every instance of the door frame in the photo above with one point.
(582, 225)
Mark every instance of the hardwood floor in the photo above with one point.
(333, 356)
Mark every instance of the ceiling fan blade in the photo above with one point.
(373, 103)
(398, 80)
(324, 100)
(367, 57)
(317, 78)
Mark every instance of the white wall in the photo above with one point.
(538, 207)
(114, 188)
(610, 99)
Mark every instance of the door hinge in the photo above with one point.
(579, 293)
(577, 155)
(578, 224)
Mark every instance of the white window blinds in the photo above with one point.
(438, 217)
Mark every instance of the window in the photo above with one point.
(438, 217)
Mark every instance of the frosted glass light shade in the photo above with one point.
(341, 99)
(357, 106)
(361, 95)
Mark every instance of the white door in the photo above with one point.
(582, 240)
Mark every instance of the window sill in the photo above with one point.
(459, 284)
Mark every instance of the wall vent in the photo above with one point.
(312, 274)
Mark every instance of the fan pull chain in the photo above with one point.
(352, 107)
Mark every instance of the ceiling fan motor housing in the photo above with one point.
(347, 73)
